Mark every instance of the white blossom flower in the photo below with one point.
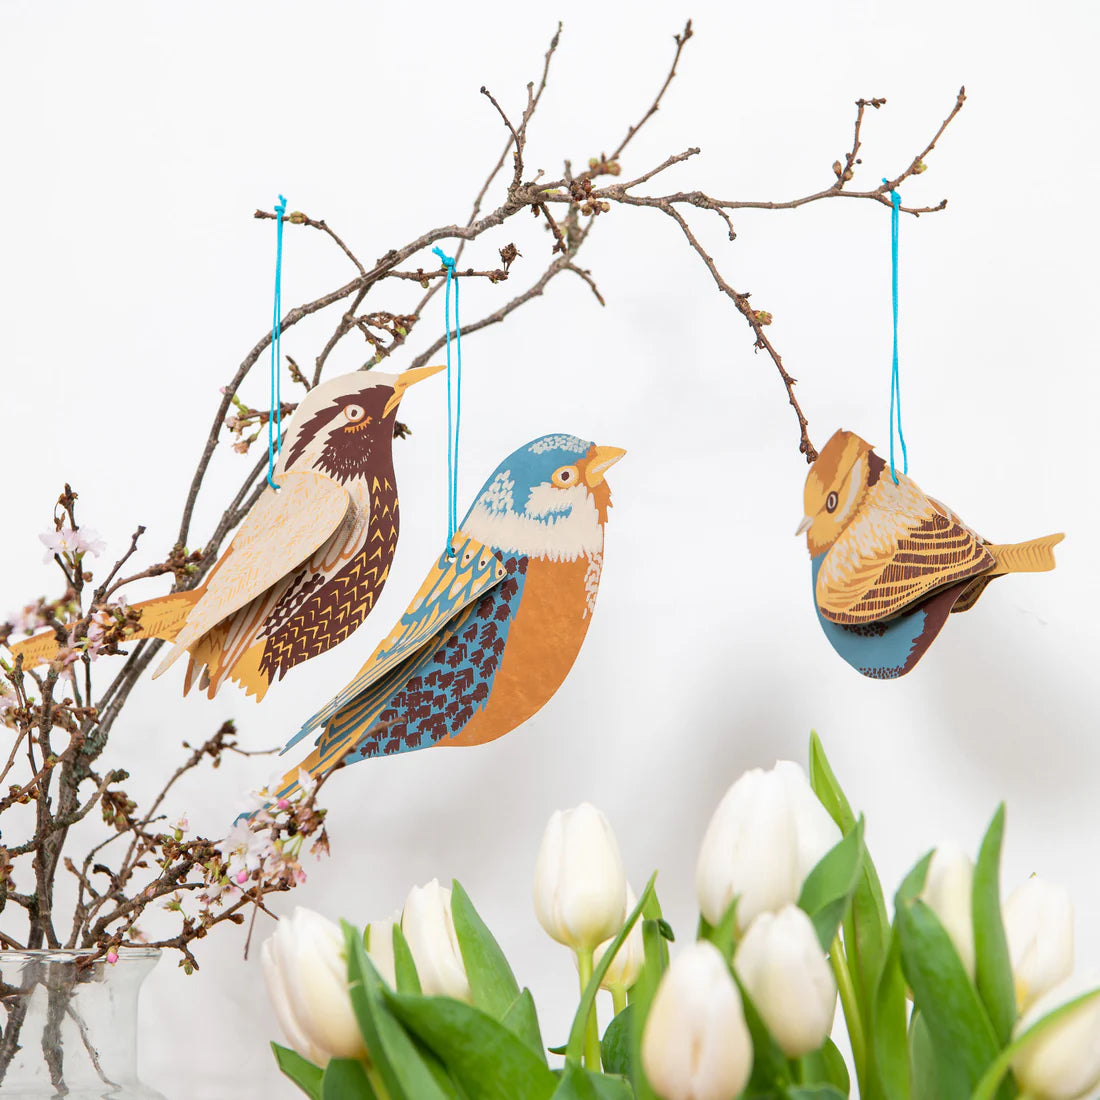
(83, 540)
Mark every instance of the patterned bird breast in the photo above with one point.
(495, 665)
(887, 649)
(317, 611)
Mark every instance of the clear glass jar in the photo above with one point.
(69, 1031)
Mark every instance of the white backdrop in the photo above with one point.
(139, 138)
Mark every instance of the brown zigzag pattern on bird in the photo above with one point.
(338, 608)
(444, 694)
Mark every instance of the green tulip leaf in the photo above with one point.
(404, 966)
(492, 983)
(865, 923)
(641, 995)
(827, 787)
(521, 1019)
(958, 1025)
(581, 1084)
(816, 1092)
(486, 1059)
(994, 967)
(825, 1067)
(346, 1079)
(615, 1046)
(933, 1078)
(723, 934)
(588, 998)
(890, 1029)
(830, 885)
(402, 1066)
(302, 1072)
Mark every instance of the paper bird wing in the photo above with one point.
(900, 547)
(452, 585)
(279, 533)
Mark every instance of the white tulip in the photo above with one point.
(816, 832)
(305, 968)
(947, 891)
(785, 973)
(1063, 1062)
(627, 963)
(430, 929)
(580, 884)
(1038, 920)
(696, 1045)
(767, 833)
(380, 948)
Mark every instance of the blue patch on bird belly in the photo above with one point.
(451, 683)
(880, 651)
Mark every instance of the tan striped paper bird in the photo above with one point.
(889, 563)
(306, 566)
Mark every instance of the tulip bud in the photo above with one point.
(430, 929)
(765, 836)
(1062, 1062)
(785, 972)
(305, 970)
(1038, 920)
(947, 892)
(379, 944)
(627, 963)
(696, 1045)
(580, 884)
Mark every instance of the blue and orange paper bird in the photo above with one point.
(890, 563)
(497, 623)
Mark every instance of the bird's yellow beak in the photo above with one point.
(600, 460)
(405, 380)
(805, 525)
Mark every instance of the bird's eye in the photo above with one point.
(831, 502)
(354, 413)
(565, 476)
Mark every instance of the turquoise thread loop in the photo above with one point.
(454, 397)
(275, 416)
(895, 377)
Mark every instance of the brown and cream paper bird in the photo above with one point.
(889, 563)
(307, 564)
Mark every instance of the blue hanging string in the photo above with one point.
(275, 418)
(454, 397)
(895, 378)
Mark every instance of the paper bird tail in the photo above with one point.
(207, 666)
(162, 617)
(1036, 556)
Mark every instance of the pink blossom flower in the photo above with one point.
(71, 542)
(7, 701)
(112, 957)
(28, 620)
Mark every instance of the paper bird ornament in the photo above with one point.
(308, 563)
(497, 623)
(890, 563)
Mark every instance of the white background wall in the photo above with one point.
(139, 138)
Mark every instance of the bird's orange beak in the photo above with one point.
(804, 526)
(600, 460)
(405, 380)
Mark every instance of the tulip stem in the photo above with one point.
(591, 1027)
(618, 998)
(839, 962)
(376, 1082)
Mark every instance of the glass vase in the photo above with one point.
(68, 1030)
